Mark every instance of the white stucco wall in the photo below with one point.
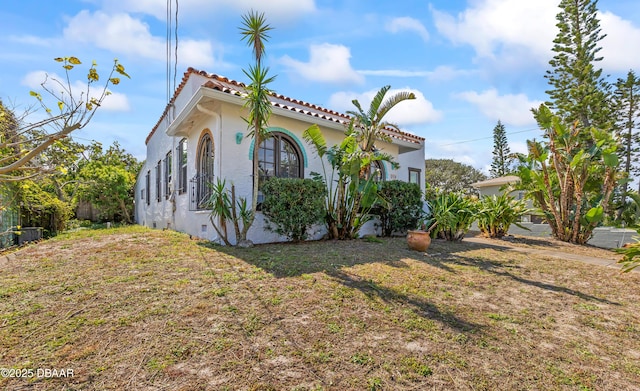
(233, 162)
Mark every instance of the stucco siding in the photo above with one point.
(194, 112)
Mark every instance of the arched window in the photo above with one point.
(204, 167)
(279, 156)
(376, 171)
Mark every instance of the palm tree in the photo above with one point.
(254, 31)
(369, 127)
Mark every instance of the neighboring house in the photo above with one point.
(495, 186)
(202, 136)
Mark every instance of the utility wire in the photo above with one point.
(175, 52)
(485, 138)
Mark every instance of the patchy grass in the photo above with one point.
(132, 308)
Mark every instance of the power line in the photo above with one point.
(485, 138)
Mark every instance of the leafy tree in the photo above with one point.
(445, 175)
(627, 109)
(21, 147)
(41, 208)
(571, 184)
(502, 158)
(255, 31)
(107, 180)
(579, 92)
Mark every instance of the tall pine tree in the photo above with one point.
(579, 92)
(626, 99)
(502, 158)
(572, 174)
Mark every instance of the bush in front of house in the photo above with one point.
(402, 207)
(496, 213)
(293, 205)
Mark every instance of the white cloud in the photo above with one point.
(511, 109)
(114, 102)
(491, 26)
(620, 45)
(406, 23)
(275, 10)
(123, 34)
(512, 32)
(327, 63)
(410, 112)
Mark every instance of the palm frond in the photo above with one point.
(314, 136)
(376, 102)
(255, 32)
(391, 102)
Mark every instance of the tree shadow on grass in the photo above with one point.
(333, 258)
(501, 268)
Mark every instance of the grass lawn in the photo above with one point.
(138, 309)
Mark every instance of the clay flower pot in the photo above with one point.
(418, 240)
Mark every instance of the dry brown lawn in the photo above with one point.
(138, 309)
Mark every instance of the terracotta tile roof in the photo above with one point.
(232, 87)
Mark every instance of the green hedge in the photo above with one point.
(403, 209)
(293, 205)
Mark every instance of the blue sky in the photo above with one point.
(470, 63)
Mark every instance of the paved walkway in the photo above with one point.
(548, 253)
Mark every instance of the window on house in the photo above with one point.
(167, 175)
(181, 154)
(158, 180)
(147, 180)
(279, 156)
(376, 171)
(204, 176)
(414, 175)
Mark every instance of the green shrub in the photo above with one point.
(403, 207)
(495, 214)
(293, 205)
(453, 214)
(40, 208)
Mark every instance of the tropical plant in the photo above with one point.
(631, 256)
(402, 209)
(496, 213)
(349, 197)
(225, 207)
(571, 184)
(255, 31)
(292, 206)
(451, 216)
(369, 127)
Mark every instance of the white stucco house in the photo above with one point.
(201, 136)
